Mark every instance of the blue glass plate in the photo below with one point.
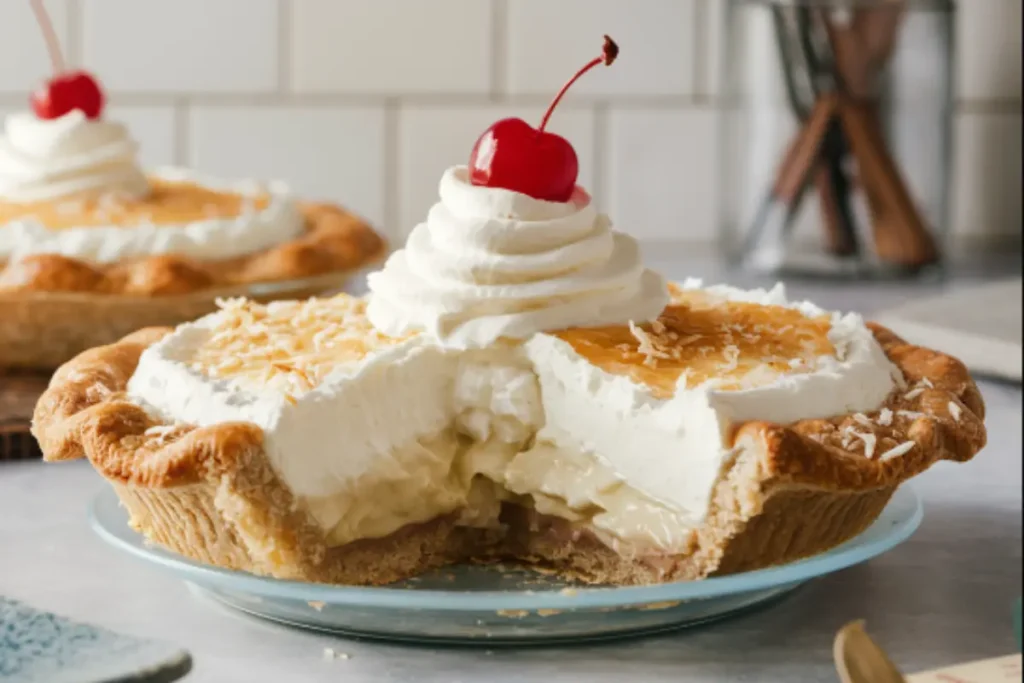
(495, 605)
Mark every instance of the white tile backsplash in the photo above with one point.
(989, 41)
(367, 101)
(712, 18)
(154, 46)
(334, 153)
(432, 138)
(662, 173)
(24, 61)
(987, 179)
(391, 46)
(153, 129)
(548, 41)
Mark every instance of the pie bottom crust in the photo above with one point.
(193, 522)
(45, 329)
(210, 493)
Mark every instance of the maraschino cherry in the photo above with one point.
(513, 155)
(67, 90)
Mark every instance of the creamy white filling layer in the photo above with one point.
(253, 230)
(672, 449)
(417, 430)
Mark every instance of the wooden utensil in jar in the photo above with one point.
(862, 45)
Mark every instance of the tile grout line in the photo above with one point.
(1006, 106)
(451, 99)
(499, 49)
(284, 46)
(991, 106)
(392, 111)
(699, 50)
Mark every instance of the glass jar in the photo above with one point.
(837, 135)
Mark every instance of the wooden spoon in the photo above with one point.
(860, 660)
(900, 234)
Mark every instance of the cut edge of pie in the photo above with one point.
(211, 493)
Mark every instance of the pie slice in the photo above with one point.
(297, 440)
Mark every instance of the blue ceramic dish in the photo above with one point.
(41, 647)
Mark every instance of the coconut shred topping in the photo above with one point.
(491, 263)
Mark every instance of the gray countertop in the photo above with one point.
(943, 597)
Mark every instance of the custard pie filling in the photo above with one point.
(621, 430)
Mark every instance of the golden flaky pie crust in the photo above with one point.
(53, 307)
(789, 491)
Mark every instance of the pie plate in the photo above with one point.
(494, 605)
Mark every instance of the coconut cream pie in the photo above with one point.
(92, 247)
(516, 386)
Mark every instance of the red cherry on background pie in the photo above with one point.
(67, 90)
(513, 155)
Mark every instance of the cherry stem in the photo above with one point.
(608, 54)
(49, 35)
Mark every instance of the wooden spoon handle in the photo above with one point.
(899, 231)
(878, 30)
(804, 151)
(859, 659)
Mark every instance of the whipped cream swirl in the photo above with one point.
(491, 263)
(42, 160)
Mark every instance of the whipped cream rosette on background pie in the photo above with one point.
(517, 385)
(92, 247)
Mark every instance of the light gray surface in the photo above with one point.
(943, 597)
(982, 326)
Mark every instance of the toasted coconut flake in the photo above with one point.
(288, 345)
(896, 451)
(954, 410)
(848, 434)
(161, 433)
(869, 443)
(732, 359)
(863, 419)
(647, 346)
